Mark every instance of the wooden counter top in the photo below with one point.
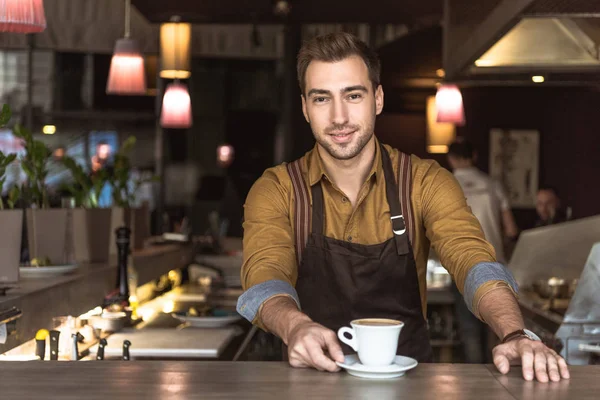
(274, 380)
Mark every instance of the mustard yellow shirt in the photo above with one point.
(441, 214)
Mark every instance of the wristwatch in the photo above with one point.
(526, 333)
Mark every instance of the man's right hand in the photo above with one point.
(312, 345)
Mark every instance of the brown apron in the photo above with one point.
(340, 281)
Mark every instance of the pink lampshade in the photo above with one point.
(225, 154)
(126, 75)
(449, 105)
(177, 107)
(22, 16)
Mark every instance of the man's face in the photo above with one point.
(340, 105)
(546, 204)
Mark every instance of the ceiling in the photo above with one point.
(302, 11)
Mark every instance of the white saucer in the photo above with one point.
(47, 271)
(400, 365)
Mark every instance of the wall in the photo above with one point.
(565, 117)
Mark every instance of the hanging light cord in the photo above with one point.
(176, 20)
(127, 18)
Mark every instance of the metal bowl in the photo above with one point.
(108, 322)
(555, 288)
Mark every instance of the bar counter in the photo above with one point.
(276, 380)
(78, 292)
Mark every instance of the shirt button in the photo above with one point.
(344, 199)
(349, 238)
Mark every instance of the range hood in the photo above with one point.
(556, 44)
(513, 40)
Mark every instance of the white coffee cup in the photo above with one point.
(374, 339)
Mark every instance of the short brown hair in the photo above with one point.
(334, 47)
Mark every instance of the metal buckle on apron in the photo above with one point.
(400, 231)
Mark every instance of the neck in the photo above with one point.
(349, 175)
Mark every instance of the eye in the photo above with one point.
(319, 99)
(355, 96)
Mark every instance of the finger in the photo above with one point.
(318, 358)
(552, 363)
(541, 366)
(502, 363)
(299, 358)
(333, 347)
(527, 362)
(564, 369)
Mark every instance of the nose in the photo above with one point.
(339, 113)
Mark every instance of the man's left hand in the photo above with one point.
(534, 357)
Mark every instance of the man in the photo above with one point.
(490, 205)
(547, 205)
(358, 260)
(485, 196)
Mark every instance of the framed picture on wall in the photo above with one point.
(514, 161)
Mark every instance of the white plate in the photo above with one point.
(44, 272)
(207, 322)
(400, 365)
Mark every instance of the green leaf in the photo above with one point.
(5, 115)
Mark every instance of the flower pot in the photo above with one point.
(47, 234)
(91, 234)
(10, 246)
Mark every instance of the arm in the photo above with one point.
(488, 287)
(500, 310)
(508, 221)
(269, 273)
(510, 226)
(309, 344)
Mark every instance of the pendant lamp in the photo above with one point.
(175, 49)
(126, 75)
(449, 105)
(22, 16)
(177, 105)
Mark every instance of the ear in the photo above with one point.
(304, 109)
(378, 100)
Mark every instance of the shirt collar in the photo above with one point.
(316, 170)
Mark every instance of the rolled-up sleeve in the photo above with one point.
(457, 237)
(269, 267)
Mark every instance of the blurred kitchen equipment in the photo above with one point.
(556, 288)
(108, 321)
(75, 348)
(101, 346)
(126, 345)
(67, 325)
(54, 338)
(40, 343)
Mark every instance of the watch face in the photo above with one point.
(532, 335)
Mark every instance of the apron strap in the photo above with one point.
(405, 187)
(301, 209)
(396, 216)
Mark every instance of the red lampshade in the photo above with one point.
(449, 105)
(127, 75)
(177, 107)
(22, 16)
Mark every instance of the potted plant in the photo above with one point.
(90, 225)
(11, 219)
(46, 228)
(125, 211)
